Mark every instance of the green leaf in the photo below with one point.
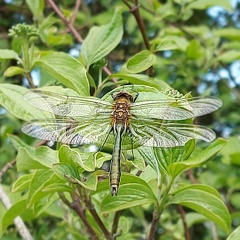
(12, 71)
(235, 234)
(195, 50)
(230, 150)
(161, 159)
(66, 69)
(36, 158)
(100, 41)
(133, 191)
(53, 40)
(228, 33)
(41, 178)
(22, 182)
(141, 61)
(229, 56)
(204, 4)
(205, 200)
(140, 79)
(17, 142)
(8, 54)
(65, 152)
(36, 8)
(42, 205)
(17, 209)
(57, 187)
(67, 172)
(163, 45)
(198, 158)
(11, 98)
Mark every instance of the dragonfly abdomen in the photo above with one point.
(115, 171)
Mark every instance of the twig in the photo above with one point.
(73, 30)
(66, 22)
(183, 216)
(6, 168)
(189, 174)
(155, 220)
(21, 227)
(75, 11)
(115, 221)
(30, 80)
(76, 206)
(135, 11)
(98, 220)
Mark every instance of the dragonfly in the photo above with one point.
(124, 121)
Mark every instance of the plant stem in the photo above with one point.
(75, 11)
(76, 206)
(135, 11)
(29, 79)
(183, 216)
(156, 217)
(96, 217)
(115, 221)
(73, 30)
(66, 22)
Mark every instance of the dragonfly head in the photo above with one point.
(123, 94)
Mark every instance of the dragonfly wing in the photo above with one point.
(175, 109)
(67, 106)
(169, 134)
(68, 131)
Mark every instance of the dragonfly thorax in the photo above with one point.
(121, 112)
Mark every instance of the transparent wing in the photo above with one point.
(168, 135)
(175, 109)
(67, 106)
(68, 131)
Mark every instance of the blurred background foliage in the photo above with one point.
(205, 62)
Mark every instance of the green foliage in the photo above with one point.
(63, 191)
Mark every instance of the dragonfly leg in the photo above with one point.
(105, 140)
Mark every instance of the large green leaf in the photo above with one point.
(11, 98)
(71, 169)
(66, 69)
(235, 234)
(229, 56)
(22, 183)
(40, 158)
(205, 200)
(88, 164)
(164, 44)
(8, 54)
(198, 158)
(17, 209)
(195, 50)
(231, 151)
(12, 71)
(161, 159)
(204, 4)
(133, 191)
(100, 41)
(41, 179)
(228, 33)
(140, 79)
(36, 8)
(141, 61)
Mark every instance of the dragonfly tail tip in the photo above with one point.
(114, 190)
